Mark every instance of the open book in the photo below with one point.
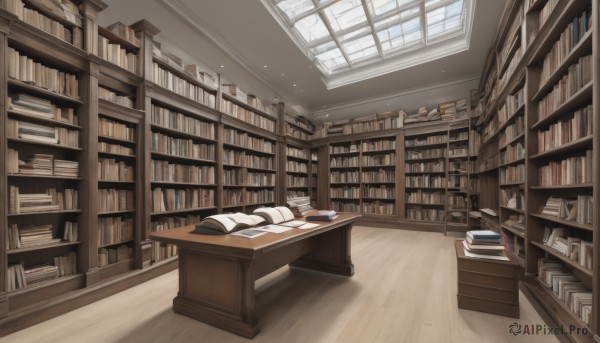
(275, 215)
(225, 223)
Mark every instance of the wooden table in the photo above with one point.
(217, 273)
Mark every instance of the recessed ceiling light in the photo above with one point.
(282, 74)
(265, 66)
(222, 66)
(443, 71)
(327, 115)
(294, 85)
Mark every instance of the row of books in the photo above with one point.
(23, 68)
(344, 192)
(114, 149)
(166, 223)
(512, 153)
(40, 164)
(571, 171)
(233, 177)
(297, 133)
(512, 66)
(19, 277)
(246, 115)
(33, 106)
(375, 122)
(260, 162)
(457, 201)
(115, 54)
(421, 197)
(511, 35)
(421, 154)
(259, 197)
(382, 175)
(261, 179)
(110, 169)
(115, 129)
(240, 138)
(165, 199)
(234, 158)
(516, 221)
(545, 12)
(379, 160)
(177, 121)
(574, 248)
(426, 167)
(108, 256)
(568, 130)
(512, 198)
(162, 251)
(113, 230)
(489, 130)
(108, 95)
(37, 19)
(512, 131)
(426, 140)
(376, 145)
(116, 200)
(232, 197)
(343, 161)
(343, 149)
(294, 152)
(297, 181)
(382, 191)
(426, 181)
(578, 76)
(164, 171)
(512, 174)
(296, 193)
(425, 214)
(458, 151)
(125, 32)
(344, 177)
(175, 61)
(512, 104)
(457, 166)
(177, 85)
(458, 181)
(32, 236)
(567, 287)
(340, 206)
(459, 135)
(379, 207)
(41, 133)
(297, 167)
(165, 144)
(569, 39)
(579, 209)
(51, 200)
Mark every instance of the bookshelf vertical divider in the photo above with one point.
(596, 166)
(400, 177)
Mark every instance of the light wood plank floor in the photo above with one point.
(404, 290)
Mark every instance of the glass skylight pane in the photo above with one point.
(454, 9)
(445, 20)
(383, 6)
(360, 48)
(344, 14)
(332, 59)
(295, 8)
(311, 28)
(428, 3)
(400, 35)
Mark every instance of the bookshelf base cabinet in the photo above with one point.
(487, 285)
(217, 273)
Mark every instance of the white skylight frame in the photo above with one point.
(378, 37)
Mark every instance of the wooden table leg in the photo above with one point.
(217, 291)
(331, 253)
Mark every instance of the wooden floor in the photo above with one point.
(404, 290)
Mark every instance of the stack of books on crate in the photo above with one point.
(484, 244)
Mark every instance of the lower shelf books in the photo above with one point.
(113, 230)
(179, 199)
(114, 255)
(419, 213)
(345, 206)
(574, 248)
(579, 210)
(51, 200)
(379, 207)
(566, 287)
(18, 276)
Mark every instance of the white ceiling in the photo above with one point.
(243, 37)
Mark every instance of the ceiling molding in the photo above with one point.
(183, 11)
(452, 82)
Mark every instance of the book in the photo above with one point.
(275, 215)
(322, 216)
(225, 223)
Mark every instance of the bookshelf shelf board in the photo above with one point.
(112, 213)
(296, 172)
(232, 166)
(489, 170)
(262, 169)
(565, 259)
(457, 209)
(42, 247)
(512, 117)
(118, 181)
(183, 75)
(582, 97)
(574, 186)
(43, 92)
(571, 223)
(425, 159)
(343, 168)
(233, 186)
(111, 68)
(521, 136)
(296, 187)
(583, 47)
(379, 166)
(506, 164)
(418, 187)
(116, 140)
(562, 314)
(457, 190)
(303, 159)
(175, 132)
(45, 284)
(516, 43)
(514, 231)
(52, 145)
(234, 146)
(408, 220)
(115, 243)
(344, 153)
(240, 103)
(172, 183)
(512, 209)
(185, 210)
(300, 127)
(44, 213)
(457, 224)
(458, 140)
(376, 198)
(536, 5)
(350, 183)
(423, 204)
(453, 173)
(578, 144)
(49, 177)
(271, 186)
(345, 198)
(181, 158)
(426, 146)
(232, 206)
(260, 203)
(509, 184)
(115, 155)
(113, 38)
(420, 173)
(378, 183)
(458, 157)
(38, 119)
(374, 152)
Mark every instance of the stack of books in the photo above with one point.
(485, 244)
(39, 164)
(66, 168)
(37, 235)
(40, 273)
(299, 206)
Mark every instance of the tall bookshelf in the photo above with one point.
(298, 168)
(378, 165)
(457, 178)
(345, 176)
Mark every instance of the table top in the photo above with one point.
(184, 238)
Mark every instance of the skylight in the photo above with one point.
(341, 36)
